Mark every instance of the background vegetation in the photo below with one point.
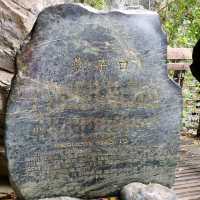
(181, 19)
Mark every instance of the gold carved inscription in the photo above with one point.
(123, 64)
(77, 63)
(101, 64)
(45, 164)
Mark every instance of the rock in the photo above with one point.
(17, 18)
(139, 191)
(61, 198)
(89, 108)
(5, 79)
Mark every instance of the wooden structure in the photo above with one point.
(179, 58)
(187, 182)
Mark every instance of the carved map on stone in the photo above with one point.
(91, 108)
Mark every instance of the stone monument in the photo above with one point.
(91, 108)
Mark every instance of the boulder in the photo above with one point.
(60, 198)
(139, 191)
(89, 108)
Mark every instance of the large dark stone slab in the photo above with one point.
(91, 107)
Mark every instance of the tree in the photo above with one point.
(181, 19)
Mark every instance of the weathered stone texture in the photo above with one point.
(139, 191)
(91, 108)
(16, 19)
(4, 90)
(60, 198)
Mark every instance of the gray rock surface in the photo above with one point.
(139, 191)
(91, 108)
(16, 18)
(60, 198)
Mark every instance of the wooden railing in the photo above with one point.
(179, 58)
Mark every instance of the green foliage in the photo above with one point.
(181, 19)
(98, 4)
(191, 90)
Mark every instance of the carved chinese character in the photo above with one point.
(102, 65)
(77, 63)
(123, 64)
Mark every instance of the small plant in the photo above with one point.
(98, 4)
